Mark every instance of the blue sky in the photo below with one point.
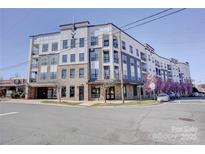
(181, 35)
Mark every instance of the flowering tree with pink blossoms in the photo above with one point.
(166, 86)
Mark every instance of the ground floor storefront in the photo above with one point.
(41, 91)
(114, 92)
(54, 91)
(85, 92)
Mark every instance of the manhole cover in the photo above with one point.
(186, 119)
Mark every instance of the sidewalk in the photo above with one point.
(71, 103)
(32, 101)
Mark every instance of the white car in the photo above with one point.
(196, 94)
(163, 97)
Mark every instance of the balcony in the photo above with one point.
(34, 53)
(34, 65)
(143, 56)
(144, 69)
(107, 76)
(32, 80)
(116, 76)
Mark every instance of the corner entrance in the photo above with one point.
(42, 93)
(46, 92)
(110, 94)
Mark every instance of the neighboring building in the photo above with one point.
(7, 87)
(200, 88)
(76, 63)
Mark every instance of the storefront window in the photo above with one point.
(95, 92)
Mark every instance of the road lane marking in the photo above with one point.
(9, 113)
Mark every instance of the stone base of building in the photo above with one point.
(114, 92)
(85, 92)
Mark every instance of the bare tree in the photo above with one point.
(58, 85)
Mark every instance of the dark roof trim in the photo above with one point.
(74, 23)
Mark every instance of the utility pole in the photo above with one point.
(121, 74)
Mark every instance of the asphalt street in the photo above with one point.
(168, 123)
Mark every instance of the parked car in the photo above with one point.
(163, 97)
(171, 95)
(201, 95)
(196, 94)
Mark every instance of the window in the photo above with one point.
(72, 91)
(94, 40)
(106, 56)
(123, 45)
(149, 58)
(63, 73)
(143, 56)
(116, 59)
(55, 46)
(137, 52)
(64, 58)
(53, 60)
(52, 75)
(34, 62)
(81, 42)
(81, 72)
(94, 65)
(43, 75)
(33, 77)
(72, 43)
(138, 70)
(115, 42)
(94, 56)
(65, 44)
(72, 58)
(132, 68)
(81, 56)
(124, 59)
(44, 47)
(116, 72)
(105, 40)
(95, 92)
(106, 72)
(131, 49)
(63, 92)
(132, 61)
(44, 61)
(35, 49)
(72, 73)
(94, 73)
(125, 74)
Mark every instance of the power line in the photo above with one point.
(155, 19)
(14, 66)
(147, 17)
(131, 24)
(25, 62)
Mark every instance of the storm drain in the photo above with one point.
(186, 119)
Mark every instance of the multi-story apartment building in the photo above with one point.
(81, 59)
